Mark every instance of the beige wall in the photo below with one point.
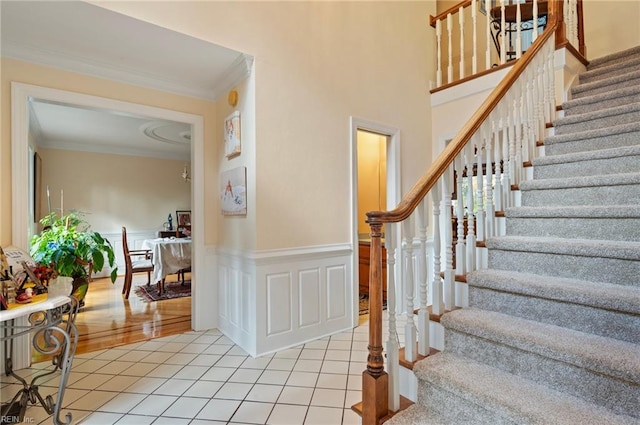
(316, 64)
(115, 190)
(13, 70)
(611, 26)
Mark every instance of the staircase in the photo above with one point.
(552, 334)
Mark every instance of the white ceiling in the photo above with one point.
(84, 38)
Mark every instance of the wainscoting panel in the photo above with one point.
(308, 294)
(337, 292)
(273, 300)
(279, 303)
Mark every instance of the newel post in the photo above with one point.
(375, 381)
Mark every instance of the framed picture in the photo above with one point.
(233, 191)
(232, 135)
(183, 218)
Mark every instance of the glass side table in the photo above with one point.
(51, 325)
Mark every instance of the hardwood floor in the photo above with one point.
(108, 320)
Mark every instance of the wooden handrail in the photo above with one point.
(452, 9)
(411, 200)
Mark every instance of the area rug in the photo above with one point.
(364, 304)
(171, 290)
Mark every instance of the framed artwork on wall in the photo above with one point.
(232, 135)
(233, 191)
(183, 218)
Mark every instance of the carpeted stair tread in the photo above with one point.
(613, 58)
(610, 98)
(609, 211)
(601, 118)
(594, 294)
(619, 152)
(611, 68)
(515, 399)
(604, 84)
(580, 247)
(596, 353)
(593, 134)
(586, 181)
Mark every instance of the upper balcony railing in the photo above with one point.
(477, 35)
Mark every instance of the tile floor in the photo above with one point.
(203, 378)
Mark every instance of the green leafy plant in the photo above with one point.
(71, 248)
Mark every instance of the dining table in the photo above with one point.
(168, 256)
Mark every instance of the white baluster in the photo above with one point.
(471, 236)
(518, 32)
(487, 53)
(489, 206)
(437, 304)
(498, 131)
(393, 346)
(439, 50)
(460, 248)
(462, 52)
(423, 280)
(479, 201)
(410, 353)
(551, 82)
(474, 55)
(449, 285)
(450, 45)
(503, 26)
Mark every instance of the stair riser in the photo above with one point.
(562, 127)
(616, 140)
(594, 167)
(612, 324)
(622, 229)
(598, 73)
(578, 94)
(592, 195)
(612, 393)
(609, 103)
(457, 410)
(594, 269)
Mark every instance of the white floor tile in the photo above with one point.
(265, 393)
(139, 369)
(231, 361)
(291, 353)
(185, 407)
(340, 355)
(175, 387)
(312, 354)
(191, 372)
(218, 373)
(275, 377)
(320, 344)
(296, 395)
(153, 405)
(303, 379)
(101, 418)
(90, 366)
(172, 347)
(205, 360)
(217, 349)
(308, 366)
(233, 391)
(122, 403)
(323, 416)
(171, 421)
(282, 364)
(328, 398)
(136, 420)
(248, 376)
(181, 358)
(352, 398)
(252, 412)
(332, 381)
(164, 371)
(255, 363)
(219, 410)
(91, 382)
(92, 400)
(115, 367)
(334, 366)
(349, 417)
(205, 389)
(155, 357)
(145, 385)
(287, 414)
(134, 356)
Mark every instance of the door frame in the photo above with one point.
(394, 194)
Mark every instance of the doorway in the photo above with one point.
(23, 93)
(375, 186)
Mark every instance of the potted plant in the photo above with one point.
(71, 248)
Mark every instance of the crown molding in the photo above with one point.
(237, 72)
(120, 150)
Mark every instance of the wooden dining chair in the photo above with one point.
(136, 261)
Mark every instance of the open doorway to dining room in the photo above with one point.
(24, 216)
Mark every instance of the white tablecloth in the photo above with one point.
(169, 255)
